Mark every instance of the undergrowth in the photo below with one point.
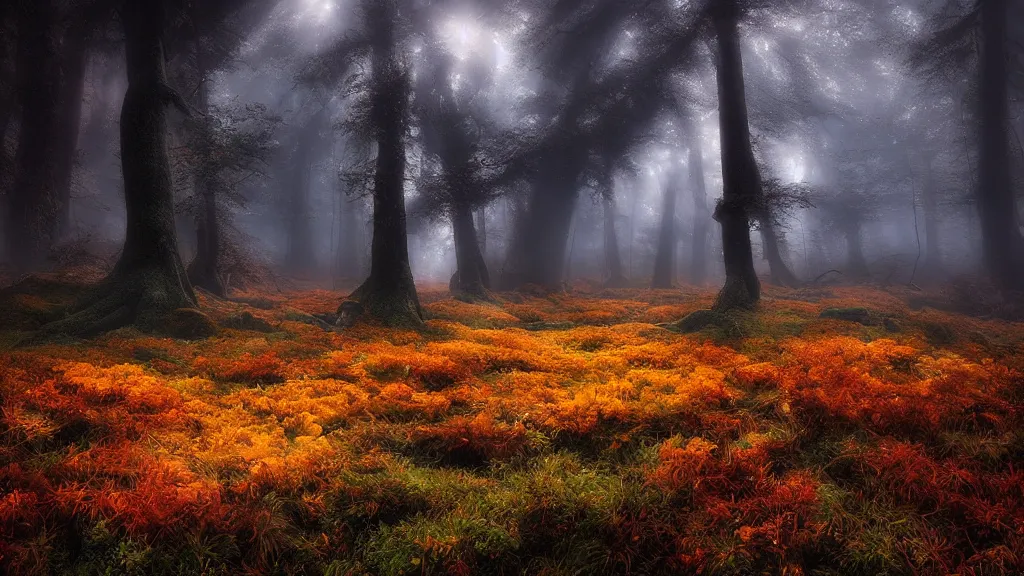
(569, 434)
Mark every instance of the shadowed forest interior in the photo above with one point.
(559, 287)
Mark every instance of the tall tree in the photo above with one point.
(701, 214)
(665, 254)
(33, 207)
(612, 255)
(740, 174)
(389, 294)
(451, 125)
(301, 258)
(1002, 242)
(149, 280)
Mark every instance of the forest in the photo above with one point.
(544, 287)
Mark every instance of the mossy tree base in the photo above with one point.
(144, 298)
(736, 295)
(395, 306)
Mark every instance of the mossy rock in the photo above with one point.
(938, 334)
(246, 321)
(348, 313)
(189, 324)
(858, 315)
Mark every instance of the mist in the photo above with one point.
(349, 263)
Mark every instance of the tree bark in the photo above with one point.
(389, 294)
(612, 257)
(149, 280)
(33, 204)
(857, 266)
(1001, 239)
(481, 228)
(349, 250)
(701, 214)
(471, 276)
(780, 272)
(204, 270)
(551, 217)
(8, 111)
(511, 276)
(741, 179)
(542, 235)
(665, 255)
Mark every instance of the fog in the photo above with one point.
(533, 142)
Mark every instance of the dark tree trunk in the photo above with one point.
(75, 58)
(515, 258)
(471, 275)
(8, 110)
(741, 179)
(780, 273)
(612, 257)
(665, 256)
(33, 204)
(701, 214)
(301, 259)
(542, 235)
(933, 256)
(149, 280)
(551, 216)
(349, 249)
(1002, 243)
(481, 229)
(857, 266)
(204, 270)
(389, 294)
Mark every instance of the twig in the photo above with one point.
(826, 273)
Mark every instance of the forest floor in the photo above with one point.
(562, 434)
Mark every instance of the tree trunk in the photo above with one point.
(349, 250)
(149, 280)
(481, 228)
(8, 110)
(542, 235)
(612, 257)
(470, 276)
(551, 215)
(857, 266)
(204, 270)
(511, 276)
(741, 179)
(1002, 243)
(389, 294)
(75, 58)
(933, 256)
(665, 256)
(701, 214)
(780, 273)
(33, 204)
(301, 259)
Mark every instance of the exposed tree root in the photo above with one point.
(143, 298)
(394, 306)
(736, 294)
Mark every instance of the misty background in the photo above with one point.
(864, 120)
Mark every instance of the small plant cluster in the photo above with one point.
(566, 434)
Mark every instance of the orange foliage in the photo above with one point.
(303, 443)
